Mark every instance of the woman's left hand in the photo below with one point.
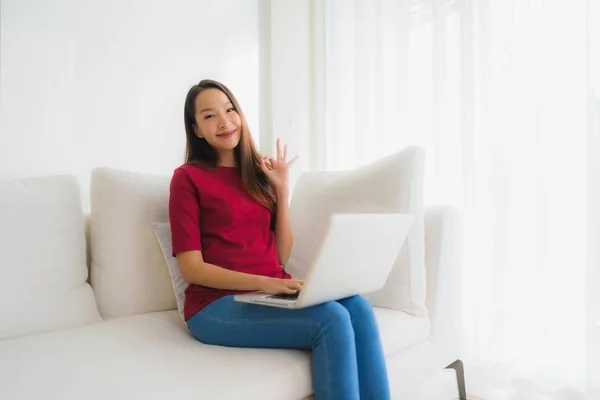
(276, 169)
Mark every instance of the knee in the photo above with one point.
(358, 306)
(334, 315)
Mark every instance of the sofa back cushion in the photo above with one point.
(392, 184)
(128, 270)
(43, 269)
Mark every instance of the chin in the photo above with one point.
(229, 144)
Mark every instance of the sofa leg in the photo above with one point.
(460, 377)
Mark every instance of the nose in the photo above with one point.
(225, 123)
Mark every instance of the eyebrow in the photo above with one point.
(212, 109)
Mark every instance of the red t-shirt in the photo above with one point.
(210, 211)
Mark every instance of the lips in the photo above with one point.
(227, 134)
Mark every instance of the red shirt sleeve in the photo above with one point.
(184, 213)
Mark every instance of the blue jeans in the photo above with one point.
(347, 358)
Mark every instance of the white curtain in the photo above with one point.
(499, 95)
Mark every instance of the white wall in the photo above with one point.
(290, 87)
(102, 83)
(593, 281)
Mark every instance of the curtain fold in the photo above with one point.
(498, 93)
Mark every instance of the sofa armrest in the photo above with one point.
(442, 260)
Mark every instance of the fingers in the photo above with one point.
(294, 285)
(290, 290)
(288, 286)
(279, 149)
(282, 154)
(292, 161)
(266, 162)
(269, 163)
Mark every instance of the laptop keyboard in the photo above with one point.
(284, 296)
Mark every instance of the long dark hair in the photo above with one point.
(199, 152)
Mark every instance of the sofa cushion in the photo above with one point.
(399, 330)
(128, 271)
(392, 184)
(153, 356)
(43, 267)
(162, 231)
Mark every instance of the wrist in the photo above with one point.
(282, 191)
(260, 282)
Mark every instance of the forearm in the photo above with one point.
(216, 277)
(283, 230)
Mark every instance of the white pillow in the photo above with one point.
(128, 269)
(392, 184)
(162, 230)
(43, 269)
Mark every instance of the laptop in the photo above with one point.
(355, 257)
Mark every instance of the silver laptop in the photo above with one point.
(355, 257)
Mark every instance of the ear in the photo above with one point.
(197, 131)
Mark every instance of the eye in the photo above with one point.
(230, 109)
(208, 116)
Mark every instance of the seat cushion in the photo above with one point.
(400, 330)
(393, 184)
(43, 266)
(153, 356)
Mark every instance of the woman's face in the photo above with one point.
(216, 120)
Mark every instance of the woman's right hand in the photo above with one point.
(279, 286)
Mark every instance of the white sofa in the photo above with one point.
(122, 338)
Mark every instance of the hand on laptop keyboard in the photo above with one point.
(280, 286)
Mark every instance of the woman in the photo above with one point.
(231, 234)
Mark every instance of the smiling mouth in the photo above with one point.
(227, 134)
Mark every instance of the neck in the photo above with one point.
(227, 159)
